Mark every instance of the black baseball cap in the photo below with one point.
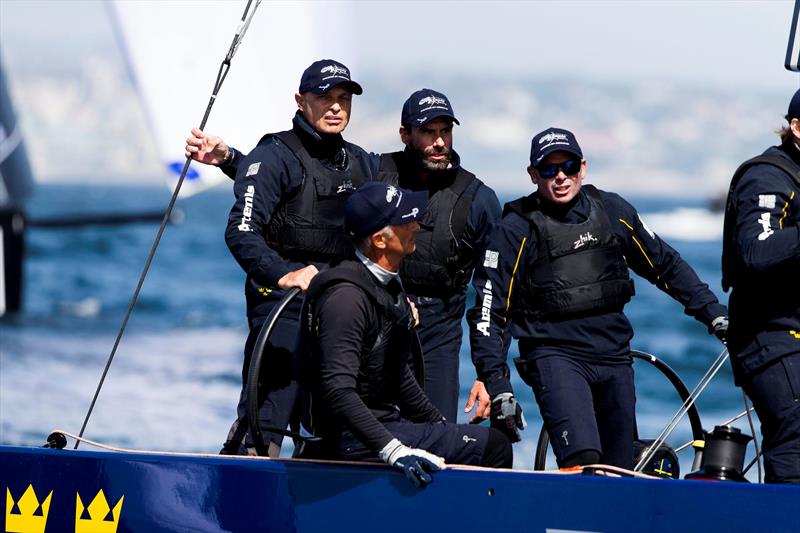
(425, 105)
(794, 107)
(376, 205)
(324, 75)
(553, 140)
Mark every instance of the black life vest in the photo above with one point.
(309, 226)
(580, 268)
(443, 262)
(731, 265)
(379, 371)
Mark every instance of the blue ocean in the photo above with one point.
(175, 380)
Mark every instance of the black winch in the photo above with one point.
(723, 456)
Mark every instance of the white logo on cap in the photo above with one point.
(433, 102)
(323, 87)
(414, 212)
(553, 137)
(335, 71)
(391, 192)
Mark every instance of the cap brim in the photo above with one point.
(354, 87)
(412, 208)
(432, 116)
(551, 149)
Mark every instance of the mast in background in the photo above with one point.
(16, 183)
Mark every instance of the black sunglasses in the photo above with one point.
(570, 167)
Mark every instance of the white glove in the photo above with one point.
(413, 462)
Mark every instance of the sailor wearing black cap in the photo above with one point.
(287, 222)
(357, 338)
(460, 210)
(761, 262)
(556, 273)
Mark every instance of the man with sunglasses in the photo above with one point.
(556, 272)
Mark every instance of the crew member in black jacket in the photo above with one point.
(460, 210)
(761, 262)
(357, 338)
(287, 222)
(556, 273)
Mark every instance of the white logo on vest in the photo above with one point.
(584, 239)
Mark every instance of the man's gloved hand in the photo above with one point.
(413, 462)
(719, 327)
(507, 416)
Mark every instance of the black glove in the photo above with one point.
(413, 462)
(719, 328)
(507, 416)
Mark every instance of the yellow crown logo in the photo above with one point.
(27, 516)
(98, 520)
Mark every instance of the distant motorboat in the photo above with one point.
(699, 224)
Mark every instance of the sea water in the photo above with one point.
(175, 380)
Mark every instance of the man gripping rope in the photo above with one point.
(287, 223)
(460, 210)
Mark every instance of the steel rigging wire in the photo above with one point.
(224, 67)
(696, 392)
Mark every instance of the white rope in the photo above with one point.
(601, 469)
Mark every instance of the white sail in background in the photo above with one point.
(174, 49)
(16, 178)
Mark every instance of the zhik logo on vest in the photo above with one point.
(584, 239)
(346, 185)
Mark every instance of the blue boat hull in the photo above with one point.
(211, 493)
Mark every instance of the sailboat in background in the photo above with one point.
(166, 44)
(16, 183)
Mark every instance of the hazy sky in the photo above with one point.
(710, 42)
(738, 46)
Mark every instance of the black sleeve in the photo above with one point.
(344, 319)
(267, 176)
(660, 264)
(231, 166)
(484, 212)
(413, 403)
(767, 234)
(496, 275)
